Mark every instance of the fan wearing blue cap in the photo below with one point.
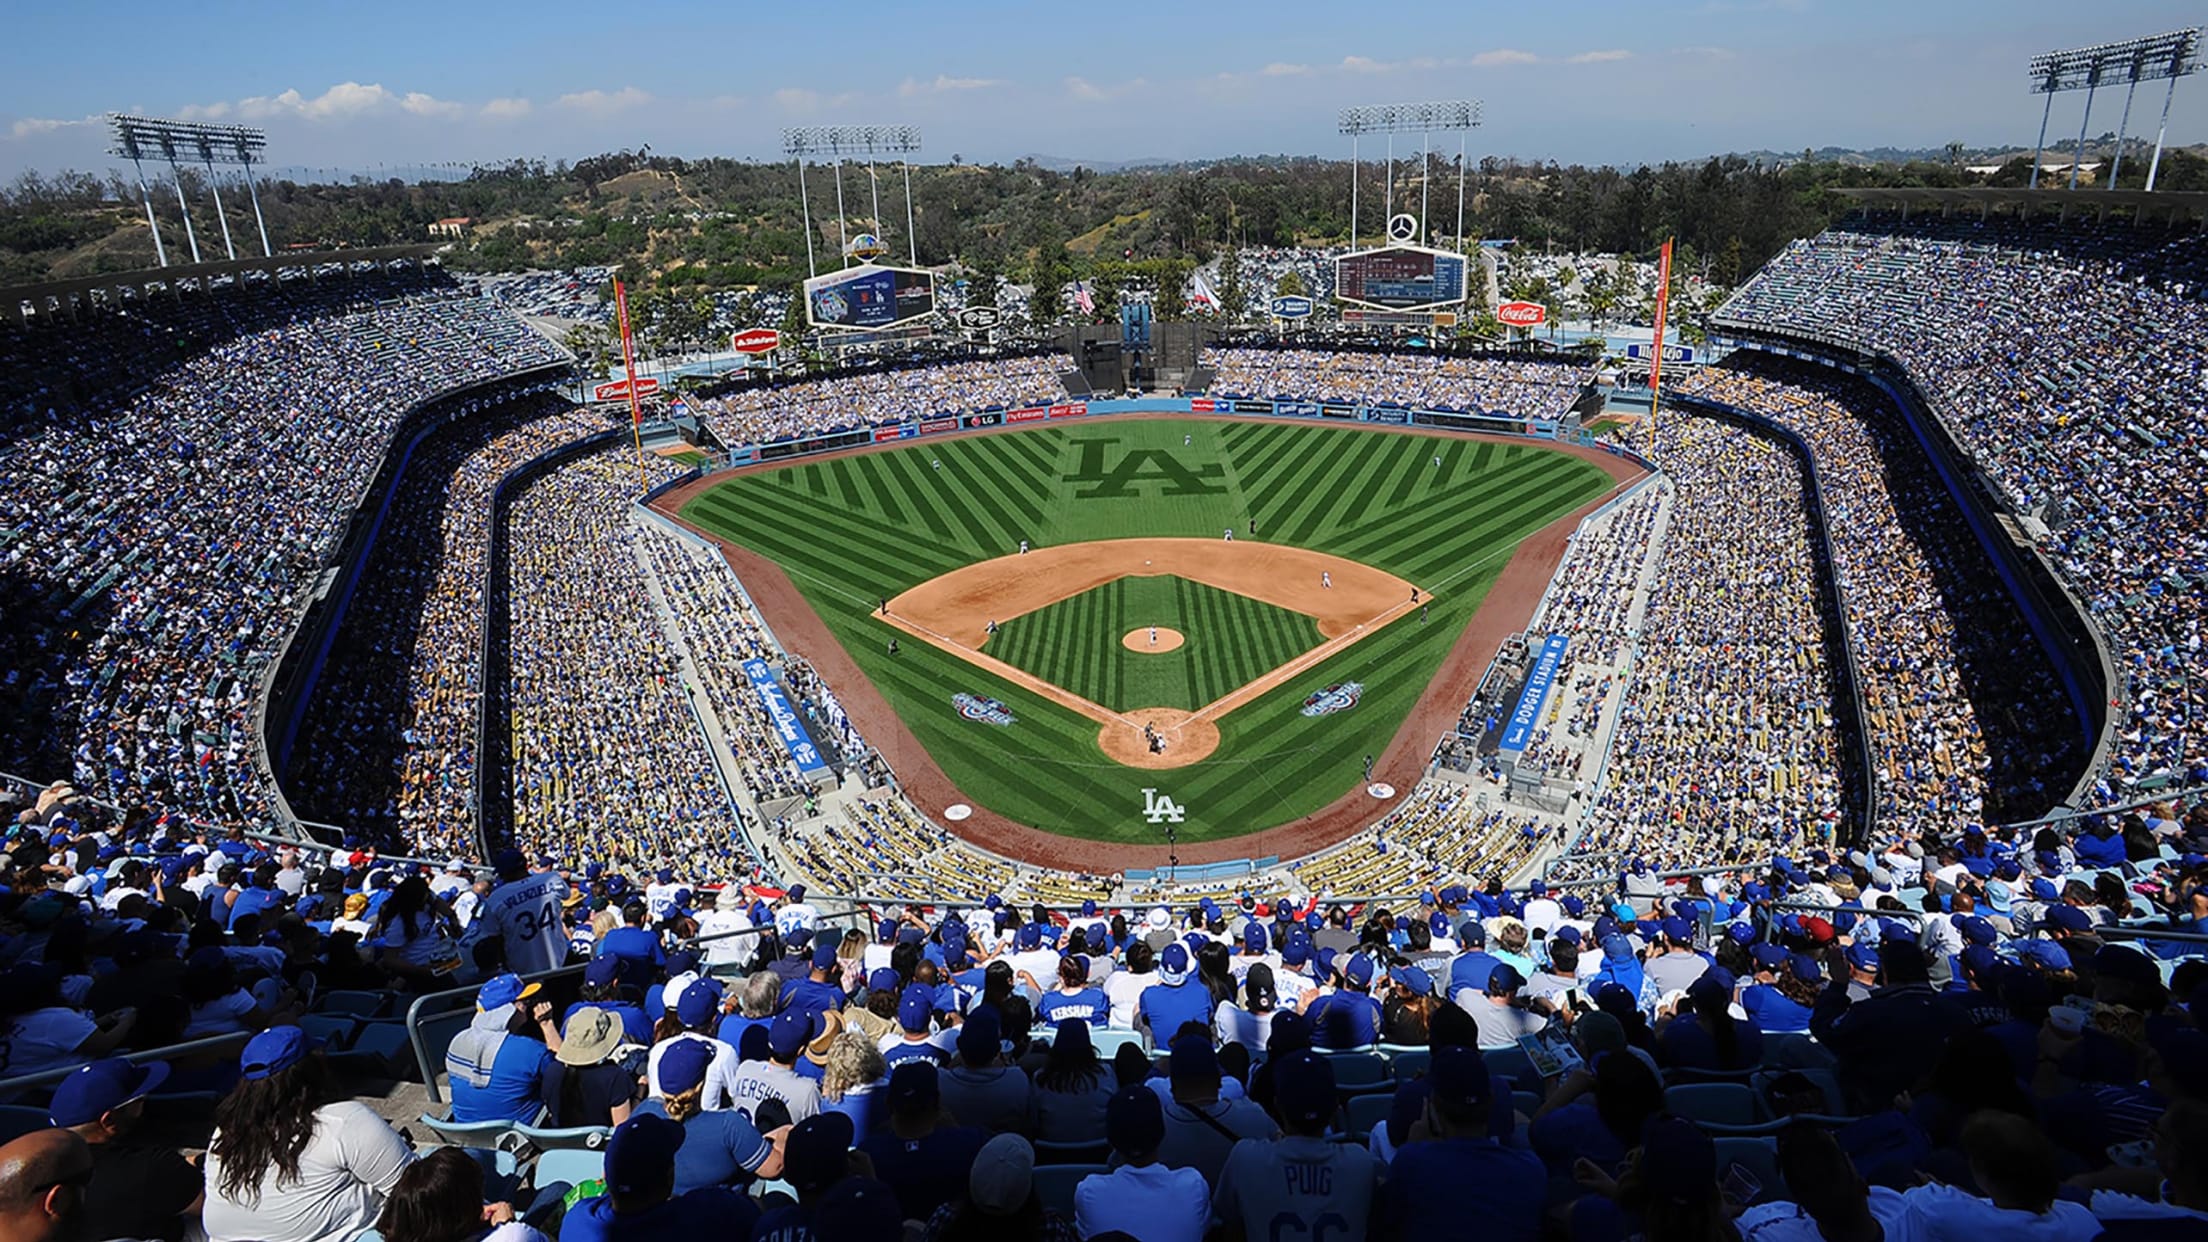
(821, 990)
(602, 988)
(498, 1066)
(346, 1158)
(1462, 1174)
(524, 910)
(640, 1200)
(137, 1190)
(1175, 1000)
(1299, 1176)
(979, 1087)
(1678, 965)
(777, 1078)
(720, 1147)
(635, 945)
(1349, 1016)
(1471, 967)
(696, 1009)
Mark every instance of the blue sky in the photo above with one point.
(404, 83)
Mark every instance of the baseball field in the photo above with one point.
(1132, 667)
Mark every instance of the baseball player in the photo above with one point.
(1187, 440)
(1023, 547)
(1326, 580)
(1153, 636)
(1230, 534)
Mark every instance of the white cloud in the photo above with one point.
(510, 108)
(1082, 88)
(427, 105)
(32, 126)
(1707, 52)
(1601, 57)
(802, 100)
(1365, 64)
(605, 103)
(944, 84)
(1282, 69)
(1504, 56)
(203, 112)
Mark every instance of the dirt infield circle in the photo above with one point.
(1153, 640)
(1188, 738)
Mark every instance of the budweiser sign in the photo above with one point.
(1523, 314)
(618, 390)
(755, 341)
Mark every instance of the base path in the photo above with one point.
(1351, 602)
(1506, 609)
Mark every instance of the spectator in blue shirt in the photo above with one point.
(602, 988)
(1782, 1005)
(640, 1201)
(1074, 999)
(1174, 1001)
(1475, 966)
(1461, 1173)
(498, 1064)
(1704, 1035)
(1348, 1017)
(816, 993)
(635, 946)
(720, 1147)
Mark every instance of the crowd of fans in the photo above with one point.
(609, 761)
(1726, 743)
(842, 402)
(388, 747)
(1949, 1033)
(1965, 716)
(178, 472)
(1503, 387)
(2067, 360)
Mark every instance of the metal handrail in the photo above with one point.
(2105, 931)
(208, 1043)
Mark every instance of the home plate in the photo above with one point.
(959, 810)
(1381, 790)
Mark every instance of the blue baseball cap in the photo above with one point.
(640, 1157)
(824, 955)
(1769, 957)
(1679, 929)
(698, 1003)
(792, 1030)
(1254, 939)
(275, 1050)
(602, 970)
(502, 990)
(2068, 918)
(682, 1067)
(1297, 950)
(916, 1007)
(1303, 1088)
(100, 1088)
(1459, 1078)
(1359, 971)
(1417, 980)
(882, 980)
(1863, 956)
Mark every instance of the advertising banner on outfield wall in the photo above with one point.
(1296, 409)
(1201, 405)
(1374, 414)
(1253, 407)
(786, 724)
(991, 419)
(902, 431)
(1334, 410)
(1069, 409)
(1032, 414)
(936, 425)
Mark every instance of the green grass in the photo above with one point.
(1076, 643)
(853, 530)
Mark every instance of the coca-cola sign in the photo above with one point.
(1523, 314)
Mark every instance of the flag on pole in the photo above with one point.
(1656, 354)
(628, 364)
(1083, 297)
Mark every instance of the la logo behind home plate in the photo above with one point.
(1159, 810)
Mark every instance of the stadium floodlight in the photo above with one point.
(838, 141)
(1423, 119)
(138, 137)
(2170, 56)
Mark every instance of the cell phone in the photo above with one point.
(1739, 1185)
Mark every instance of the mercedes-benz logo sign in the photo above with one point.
(1403, 228)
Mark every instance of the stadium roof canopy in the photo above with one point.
(60, 297)
(2170, 204)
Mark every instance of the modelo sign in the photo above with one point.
(755, 341)
(618, 390)
(1292, 306)
(1522, 314)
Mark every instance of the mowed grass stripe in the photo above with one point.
(1345, 480)
(1393, 536)
(962, 502)
(1402, 455)
(1278, 452)
(1025, 491)
(917, 479)
(1290, 488)
(762, 517)
(879, 487)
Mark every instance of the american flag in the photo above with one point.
(1083, 297)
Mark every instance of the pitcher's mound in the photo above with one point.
(1186, 739)
(1140, 640)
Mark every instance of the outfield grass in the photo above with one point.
(854, 530)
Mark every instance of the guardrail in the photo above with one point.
(9, 1087)
(2105, 931)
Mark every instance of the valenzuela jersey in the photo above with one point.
(526, 915)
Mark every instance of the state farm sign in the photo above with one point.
(618, 390)
(1523, 314)
(756, 341)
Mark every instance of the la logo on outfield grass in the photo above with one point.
(1161, 810)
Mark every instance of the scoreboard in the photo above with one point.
(869, 297)
(1399, 278)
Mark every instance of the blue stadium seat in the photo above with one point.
(354, 1004)
(1718, 1103)
(1096, 1152)
(571, 1165)
(571, 1138)
(1366, 1111)
(1054, 1183)
(1409, 1065)
(1110, 1040)
(487, 1135)
(334, 1030)
(1759, 1158)
(1358, 1073)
